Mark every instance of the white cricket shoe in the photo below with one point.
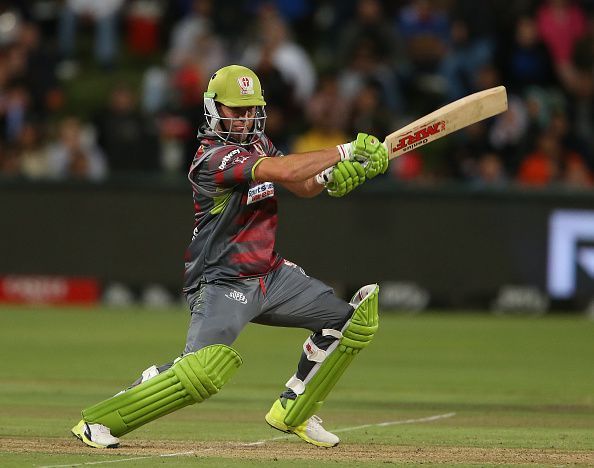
(310, 431)
(314, 433)
(95, 435)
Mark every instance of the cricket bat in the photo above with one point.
(445, 120)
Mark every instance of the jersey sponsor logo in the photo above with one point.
(260, 192)
(240, 159)
(246, 85)
(237, 296)
(227, 158)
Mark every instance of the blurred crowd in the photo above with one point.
(328, 69)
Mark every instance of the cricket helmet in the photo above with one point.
(235, 86)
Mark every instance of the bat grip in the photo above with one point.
(325, 176)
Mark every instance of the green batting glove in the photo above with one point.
(367, 150)
(346, 176)
(373, 152)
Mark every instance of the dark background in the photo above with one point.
(460, 245)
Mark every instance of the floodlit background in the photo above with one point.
(482, 242)
(100, 102)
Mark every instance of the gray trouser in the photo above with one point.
(286, 297)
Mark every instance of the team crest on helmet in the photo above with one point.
(246, 84)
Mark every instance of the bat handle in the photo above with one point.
(325, 176)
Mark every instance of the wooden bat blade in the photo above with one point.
(447, 119)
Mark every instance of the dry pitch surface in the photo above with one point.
(274, 451)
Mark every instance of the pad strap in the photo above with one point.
(295, 384)
(192, 379)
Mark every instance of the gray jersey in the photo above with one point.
(235, 216)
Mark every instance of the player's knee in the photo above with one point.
(342, 316)
(227, 334)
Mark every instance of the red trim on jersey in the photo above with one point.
(262, 286)
(238, 176)
(219, 177)
(254, 256)
(252, 234)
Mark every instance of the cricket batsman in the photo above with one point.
(234, 276)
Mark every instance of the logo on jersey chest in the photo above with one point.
(260, 192)
(228, 157)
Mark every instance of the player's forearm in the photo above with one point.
(295, 168)
(308, 189)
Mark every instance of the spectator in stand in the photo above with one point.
(33, 152)
(104, 14)
(471, 45)
(193, 36)
(10, 162)
(368, 49)
(327, 113)
(40, 64)
(468, 145)
(195, 53)
(294, 12)
(369, 24)
(426, 34)
(283, 114)
(75, 154)
(526, 62)
(426, 30)
(579, 82)
(568, 135)
(12, 14)
(363, 67)
(179, 120)
(561, 24)
(14, 111)
(553, 164)
(129, 140)
(463, 59)
(508, 130)
(288, 57)
(408, 168)
(369, 112)
(490, 172)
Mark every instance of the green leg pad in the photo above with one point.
(356, 336)
(192, 379)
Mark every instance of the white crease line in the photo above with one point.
(124, 459)
(262, 442)
(355, 428)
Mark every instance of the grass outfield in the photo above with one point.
(432, 389)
